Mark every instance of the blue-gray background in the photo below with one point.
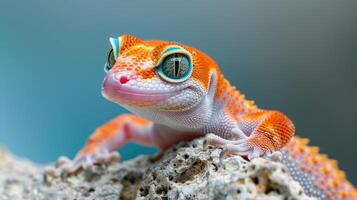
(295, 56)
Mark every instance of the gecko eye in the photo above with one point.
(110, 61)
(175, 68)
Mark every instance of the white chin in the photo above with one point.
(183, 101)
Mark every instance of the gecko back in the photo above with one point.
(316, 173)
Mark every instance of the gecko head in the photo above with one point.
(155, 75)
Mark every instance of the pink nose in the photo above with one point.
(112, 82)
(123, 79)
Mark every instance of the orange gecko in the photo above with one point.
(179, 93)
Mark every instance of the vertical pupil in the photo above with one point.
(176, 65)
(111, 59)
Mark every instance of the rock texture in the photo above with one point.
(186, 171)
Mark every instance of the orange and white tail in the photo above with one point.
(318, 175)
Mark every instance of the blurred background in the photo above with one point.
(299, 57)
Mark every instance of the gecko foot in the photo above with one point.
(65, 166)
(235, 147)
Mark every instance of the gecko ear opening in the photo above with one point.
(212, 85)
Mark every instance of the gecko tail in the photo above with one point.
(317, 174)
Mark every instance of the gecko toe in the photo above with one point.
(88, 162)
(114, 156)
(274, 156)
(62, 160)
(254, 153)
(65, 167)
(51, 171)
(240, 147)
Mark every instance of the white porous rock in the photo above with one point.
(185, 171)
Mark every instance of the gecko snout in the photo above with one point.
(115, 81)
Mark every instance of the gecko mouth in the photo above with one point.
(135, 97)
(127, 95)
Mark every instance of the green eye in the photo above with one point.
(110, 61)
(175, 67)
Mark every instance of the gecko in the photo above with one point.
(178, 93)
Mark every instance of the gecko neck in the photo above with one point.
(235, 102)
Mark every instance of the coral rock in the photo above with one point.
(185, 171)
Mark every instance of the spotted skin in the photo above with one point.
(204, 104)
(318, 175)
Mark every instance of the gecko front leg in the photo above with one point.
(264, 132)
(105, 140)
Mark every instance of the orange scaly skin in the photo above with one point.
(179, 93)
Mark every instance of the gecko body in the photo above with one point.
(177, 92)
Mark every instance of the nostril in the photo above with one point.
(123, 79)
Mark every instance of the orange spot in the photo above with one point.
(309, 169)
(301, 149)
(316, 174)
